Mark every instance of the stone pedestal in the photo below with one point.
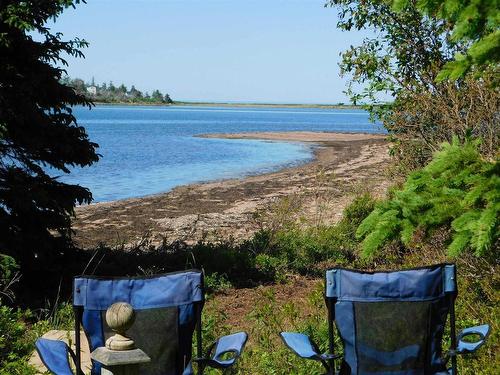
(120, 356)
(120, 362)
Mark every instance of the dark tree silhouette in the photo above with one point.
(38, 133)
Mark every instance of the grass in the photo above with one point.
(274, 257)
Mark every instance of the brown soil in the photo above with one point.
(237, 305)
(344, 164)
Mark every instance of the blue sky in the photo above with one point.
(280, 51)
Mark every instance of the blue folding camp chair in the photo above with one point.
(391, 323)
(167, 307)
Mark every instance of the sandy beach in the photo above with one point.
(345, 164)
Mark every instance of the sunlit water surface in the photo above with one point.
(148, 150)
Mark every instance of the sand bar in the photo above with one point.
(299, 136)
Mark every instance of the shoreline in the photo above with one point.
(314, 140)
(213, 209)
(314, 146)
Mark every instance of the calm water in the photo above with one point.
(147, 150)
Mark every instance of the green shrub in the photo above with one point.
(358, 210)
(16, 342)
(19, 330)
(457, 189)
(8, 276)
(302, 250)
(216, 282)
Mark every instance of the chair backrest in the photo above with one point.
(167, 309)
(391, 322)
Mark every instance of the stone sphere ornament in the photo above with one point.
(120, 317)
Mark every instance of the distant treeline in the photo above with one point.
(109, 93)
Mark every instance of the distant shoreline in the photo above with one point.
(242, 105)
(269, 105)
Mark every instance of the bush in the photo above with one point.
(20, 328)
(458, 189)
(216, 282)
(9, 275)
(303, 250)
(421, 120)
(404, 59)
(16, 342)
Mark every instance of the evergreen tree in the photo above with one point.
(122, 88)
(39, 135)
(79, 85)
(157, 96)
(134, 93)
(457, 189)
(168, 99)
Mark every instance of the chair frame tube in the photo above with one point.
(452, 296)
(199, 335)
(330, 303)
(453, 335)
(199, 344)
(78, 312)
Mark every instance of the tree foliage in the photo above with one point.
(475, 22)
(111, 94)
(395, 70)
(405, 51)
(39, 135)
(458, 188)
(420, 121)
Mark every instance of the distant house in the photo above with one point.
(92, 90)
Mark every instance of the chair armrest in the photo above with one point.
(55, 355)
(301, 345)
(305, 348)
(464, 347)
(230, 345)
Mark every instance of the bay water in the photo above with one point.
(152, 149)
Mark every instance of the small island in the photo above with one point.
(111, 94)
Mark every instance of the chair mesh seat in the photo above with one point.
(165, 308)
(391, 322)
(391, 336)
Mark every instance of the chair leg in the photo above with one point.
(199, 344)
(331, 342)
(77, 310)
(453, 336)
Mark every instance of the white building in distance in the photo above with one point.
(92, 90)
